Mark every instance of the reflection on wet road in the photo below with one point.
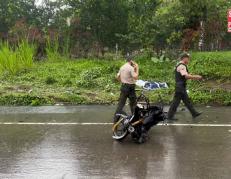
(88, 151)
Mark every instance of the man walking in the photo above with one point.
(128, 74)
(181, 77)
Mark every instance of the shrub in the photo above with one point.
(88, 77)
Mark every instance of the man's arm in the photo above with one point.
(118, 77)
(193, 77)
(183, 72)
(135, 74)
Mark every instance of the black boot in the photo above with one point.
(196, 114)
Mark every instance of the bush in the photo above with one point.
(88, 77)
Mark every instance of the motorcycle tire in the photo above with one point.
(120, 130)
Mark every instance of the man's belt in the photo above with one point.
(127, 84)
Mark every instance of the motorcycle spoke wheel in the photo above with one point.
(120, 131)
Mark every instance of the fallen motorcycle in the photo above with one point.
(138, 124)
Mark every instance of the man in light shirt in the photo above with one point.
(127, 75)
(181, 76)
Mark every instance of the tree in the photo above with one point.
(13, 10)
(105, 19)
(140, 28)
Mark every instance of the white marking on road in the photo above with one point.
(199, 125)
(89, 123)
(52, 123)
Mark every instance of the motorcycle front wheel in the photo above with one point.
(119, 130)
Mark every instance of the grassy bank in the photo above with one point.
(93, 81)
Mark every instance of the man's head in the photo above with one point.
(129, 58)
(185, 57)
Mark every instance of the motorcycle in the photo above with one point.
(138, 124)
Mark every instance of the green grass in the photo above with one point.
(52, 50)
(25, 53)
(92, 81)
(8, 60)
(212, 65)
(15, 60)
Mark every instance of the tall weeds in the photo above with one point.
(25, 53)
(13, 61)
(52, 50)
(8, 59)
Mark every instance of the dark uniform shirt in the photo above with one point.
(181, 82)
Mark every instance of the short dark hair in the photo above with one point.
(184, 55)
(129, 58)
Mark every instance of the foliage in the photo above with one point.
(25, 53)
(50, 80)
(12, 10)
(8, 60)
(88, 77)
(98, 27)
(168, 31)
(52, 50)
(13, 61)
(105, 19)
(212, 65)
(23, 100)
(93, 81)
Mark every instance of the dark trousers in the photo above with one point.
(126, 91)
(180, 95)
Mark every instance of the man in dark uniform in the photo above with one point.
(181, 77)
(127, 75)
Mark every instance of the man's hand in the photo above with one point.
(136, 70)
(135, 65)
(198, 77)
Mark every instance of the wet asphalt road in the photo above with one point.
(31, 147)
